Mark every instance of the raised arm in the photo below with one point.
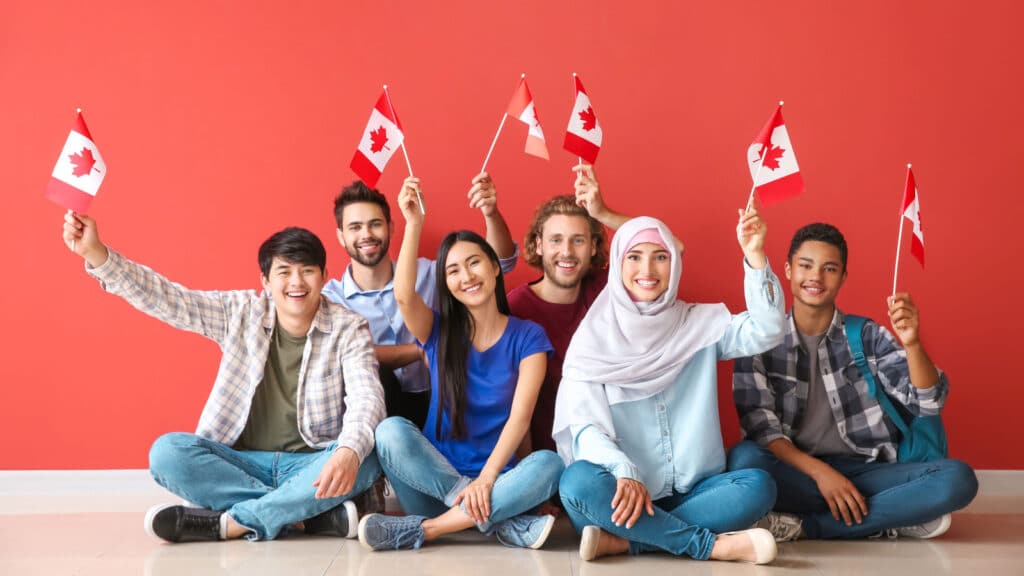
(483, 195)
(419, 318)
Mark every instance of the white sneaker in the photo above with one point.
(763, 542)
(927, 530)
(784, 527)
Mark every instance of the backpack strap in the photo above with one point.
(854, 336)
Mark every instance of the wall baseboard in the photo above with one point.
(92, 491)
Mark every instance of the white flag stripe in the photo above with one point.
(64, 169)
(395, 137)
(787, 161)
(529, 118)
(576, 122)
(912, 214)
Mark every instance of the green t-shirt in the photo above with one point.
(272, 424)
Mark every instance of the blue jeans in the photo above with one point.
(263, 491)
(898, 494)
(682, 523)
(427, 484)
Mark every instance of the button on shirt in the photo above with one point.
(380, 309)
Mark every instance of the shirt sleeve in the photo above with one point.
(763, 325)
(894, 374)
(202, 312)
(592, 445)
(509, 264)
(364, 396)
(755, 400)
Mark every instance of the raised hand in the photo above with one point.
(82, 237)
(483, 195)
(750, 232)
(904, 318)
(409, 200)
(588, 191)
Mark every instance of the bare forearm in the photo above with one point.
(509, 441)
(499, 236)
(923, 373)
(405, 268)
(787, 452)
(397, 355)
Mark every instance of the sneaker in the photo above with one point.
(338, 521)
(380, 532)
(784, 527)
(763, 542)
(373, 500)
(175, 523)
(525, 531)
(927, 530)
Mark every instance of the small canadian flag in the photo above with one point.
(583, 136)
(912, 212)
(772, 162)
(79, 171)
(521, 108)
(381, 139)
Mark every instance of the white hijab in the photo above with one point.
(624, 350)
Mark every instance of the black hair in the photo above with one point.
(820, 232)
(359, 192)
(295, 246)
(455, 333)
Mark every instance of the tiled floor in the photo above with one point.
(986, 540)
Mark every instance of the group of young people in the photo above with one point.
(591, 390)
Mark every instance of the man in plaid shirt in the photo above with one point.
(809, 419)
(286, 436)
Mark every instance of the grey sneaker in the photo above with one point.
(927, 530)
(380, 532)
(525, 531)
(784, 527)
(338, 521)
(175, 523)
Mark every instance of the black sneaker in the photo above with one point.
(175, 523)
(372, 501)
(342, 520)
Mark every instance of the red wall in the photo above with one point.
(222, 122)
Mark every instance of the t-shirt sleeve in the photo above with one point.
(532, 340)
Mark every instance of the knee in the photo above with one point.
(762, 491)
(549, 465)
(959, 485)
(582, 478)
(166, 453)
(391, 436)
(748, 454)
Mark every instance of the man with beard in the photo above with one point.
(364, 230)
(567, 241)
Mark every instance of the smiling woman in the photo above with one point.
(486, 368)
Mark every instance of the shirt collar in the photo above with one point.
(349, 287)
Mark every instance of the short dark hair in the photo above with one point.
(820, 232)
(359, 192)
(295, 246)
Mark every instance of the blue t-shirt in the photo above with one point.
(491, 383)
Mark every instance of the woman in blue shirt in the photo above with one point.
(636, 417)
(486, 369)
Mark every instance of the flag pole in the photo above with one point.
(760, 165)
(78, 111)
(405, 154)
(899, 240)
(495, 141)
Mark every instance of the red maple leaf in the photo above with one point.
(588, 118)
(772, 156)
(83, 162)
(379, 138)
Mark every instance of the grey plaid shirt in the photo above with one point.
(770, 389)
(339, 395)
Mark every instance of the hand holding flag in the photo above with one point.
(772, 162)
(79, 171)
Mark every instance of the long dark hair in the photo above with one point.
(456, 326)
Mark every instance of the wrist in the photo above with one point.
(756, 259)
(96, 257)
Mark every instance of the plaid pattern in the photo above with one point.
(770, 389)
(339, 394)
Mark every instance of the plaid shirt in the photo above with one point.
(339, 395)
(770, 389)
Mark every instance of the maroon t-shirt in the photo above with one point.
(560, 322)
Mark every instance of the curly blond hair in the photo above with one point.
(566, 205)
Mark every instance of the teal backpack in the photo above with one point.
(923, 437)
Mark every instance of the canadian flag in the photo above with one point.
(912, 212)
(381, 139)
(583, 136)
(777, 176)
(521, 107)
(79, 171)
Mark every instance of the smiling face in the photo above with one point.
(365, 233)
(646, 270)
(816, 273)
(470, 275)
(295, 289)
(566, 248)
